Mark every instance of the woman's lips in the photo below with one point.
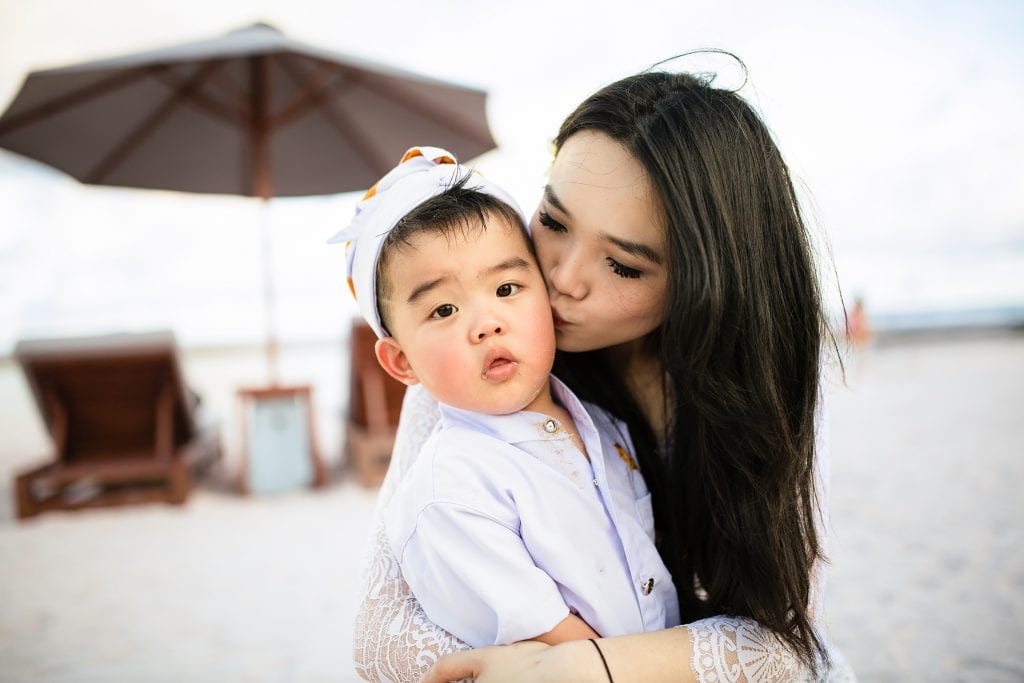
(499, 365)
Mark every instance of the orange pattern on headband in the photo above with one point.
(411, 154)
(417, 152)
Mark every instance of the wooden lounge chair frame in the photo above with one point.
(375, 403)
(121, 420)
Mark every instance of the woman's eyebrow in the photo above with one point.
(635, 248)
(553, 200)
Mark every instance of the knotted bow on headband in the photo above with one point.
(423, 172)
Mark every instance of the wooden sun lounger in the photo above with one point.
(121, 419)
(375, 402)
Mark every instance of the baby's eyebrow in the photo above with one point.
(511, 263)
(418, 292)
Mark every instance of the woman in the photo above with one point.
(686, 303)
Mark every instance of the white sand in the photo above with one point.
(928, 511)
(927, 580)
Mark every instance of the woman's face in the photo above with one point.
(601, 245)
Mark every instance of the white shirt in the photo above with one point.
(502, 526)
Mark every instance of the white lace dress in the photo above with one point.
(396, 642)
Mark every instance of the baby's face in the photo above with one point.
(470, 315)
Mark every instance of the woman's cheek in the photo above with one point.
(638, 309)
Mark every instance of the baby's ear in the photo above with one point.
(394, 361)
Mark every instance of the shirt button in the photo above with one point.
(596, 484)
(648, 586)
(550, 426)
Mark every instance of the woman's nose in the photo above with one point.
(566, 277)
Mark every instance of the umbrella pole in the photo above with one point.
(269, 303)
(262, 187)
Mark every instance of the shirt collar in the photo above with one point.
(522, 426)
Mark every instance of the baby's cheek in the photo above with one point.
(542, 331)
(449, 368)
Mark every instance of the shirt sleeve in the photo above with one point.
(475, 578)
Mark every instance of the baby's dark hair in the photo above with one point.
(458, 209)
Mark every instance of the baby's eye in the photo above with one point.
(508, 289)
(443, 311)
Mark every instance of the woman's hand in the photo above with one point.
(525, 661)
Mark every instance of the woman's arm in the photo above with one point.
(718, 649)
(394, 639)
(645, 658)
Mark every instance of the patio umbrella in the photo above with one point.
(250, 113)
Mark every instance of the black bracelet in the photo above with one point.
(603, 661)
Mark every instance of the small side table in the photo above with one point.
(279, 450)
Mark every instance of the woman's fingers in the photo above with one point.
(488, 664)
(454, 667)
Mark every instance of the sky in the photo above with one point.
(900, 120)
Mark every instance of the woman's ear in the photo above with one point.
(394, 361)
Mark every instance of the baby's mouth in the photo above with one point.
(499, 365)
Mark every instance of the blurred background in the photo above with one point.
(901, 123)
(901, 119)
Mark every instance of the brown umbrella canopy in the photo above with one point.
(250, 113)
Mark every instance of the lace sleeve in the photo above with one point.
(394, 639)
(739, 650)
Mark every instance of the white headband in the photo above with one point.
(423, 172)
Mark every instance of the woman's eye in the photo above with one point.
(547, 221)
(443, 311)
(508, 289)
(623, 271)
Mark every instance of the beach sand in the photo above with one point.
(927, 443)
(926, 583)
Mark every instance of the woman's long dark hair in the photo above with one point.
(734, 481)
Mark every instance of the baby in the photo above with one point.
(524, 516)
